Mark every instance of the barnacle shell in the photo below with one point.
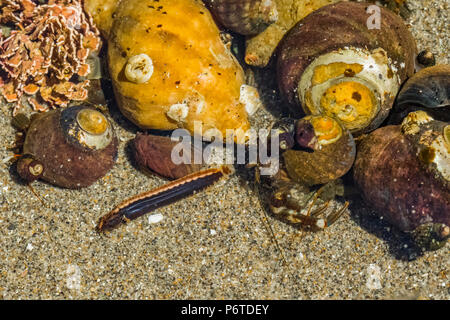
(328, 151)
(139, 69)
(155, 154)
(403, 171)
(332, 63)
(76, 146)
(192, 67)
(429, 90)
(261, 47)
(247, 17)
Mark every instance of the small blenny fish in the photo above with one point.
(139, 205)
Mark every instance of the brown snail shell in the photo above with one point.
(328, 151)
(426, 59)
(76, 146)
(155, 153)
(429, 90)
(403, 171)
(247, 17)
(332, 63)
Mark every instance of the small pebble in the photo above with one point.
(155, 218)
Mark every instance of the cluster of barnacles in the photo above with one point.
(43, 52)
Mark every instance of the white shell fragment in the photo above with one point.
(250, 99)
(155, 218)
(139, 68)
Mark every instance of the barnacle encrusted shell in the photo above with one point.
(403, 171)
(77, 146)
(261, 47)
(332, 63)
(193, 69)
(429, 90)
(328, 151)
(154, 153)
(247, 17)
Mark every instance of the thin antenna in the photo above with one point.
(35, 194)
(267, 223)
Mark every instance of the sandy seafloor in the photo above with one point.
(213, 245)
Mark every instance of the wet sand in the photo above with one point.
(214, 245)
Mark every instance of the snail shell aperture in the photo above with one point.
(332, 63)
(76, 146)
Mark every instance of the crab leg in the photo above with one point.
(336, 215)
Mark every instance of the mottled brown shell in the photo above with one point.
(67, 163)
(400, 186)
(247, 17)
(155, 154)
(317, 162)
(340, 28)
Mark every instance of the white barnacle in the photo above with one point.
(178, 112)
(411, 124)
(250, 99)
(139, 68)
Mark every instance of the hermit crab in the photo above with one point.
(315, 152)
(70, 148)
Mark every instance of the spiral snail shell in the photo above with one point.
(325, 151)
(247, 17)
(70, 148)
(332, 63)
(404, 173)
(428, 90)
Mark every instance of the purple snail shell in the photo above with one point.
(428, 90)
(332, 63)
(75, 146)
(403, 171)
(154, 153)
(327, 151)
(246, 17)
